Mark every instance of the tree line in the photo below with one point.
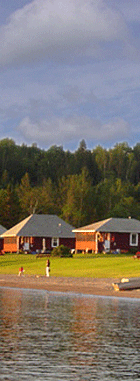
(81, 187)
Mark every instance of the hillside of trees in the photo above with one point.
(81, 187)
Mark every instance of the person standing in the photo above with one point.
(48, 268)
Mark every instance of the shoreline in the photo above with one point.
(86, 286)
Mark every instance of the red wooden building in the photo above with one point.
(38, 232)
(110, 235)
(2, 230)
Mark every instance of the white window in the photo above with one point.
(55, 242)
(134, 239)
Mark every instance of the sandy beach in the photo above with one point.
(87, 286)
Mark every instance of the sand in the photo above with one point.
(87, 286)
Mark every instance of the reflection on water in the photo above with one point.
(50, 336)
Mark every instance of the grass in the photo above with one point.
(96, 266)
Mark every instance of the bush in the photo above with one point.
(133, 250)
(61, 251)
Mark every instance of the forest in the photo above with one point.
(81, 187)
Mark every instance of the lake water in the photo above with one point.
(55, 336)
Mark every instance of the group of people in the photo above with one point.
(21, 270)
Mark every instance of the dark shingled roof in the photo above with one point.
(41, 225)
(2, 229)
(120, 225)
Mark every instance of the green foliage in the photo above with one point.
(120, 160)
(61, 251)
(81, 187)
(9, 207)
(101, 157)
(78, 206)
(133, 250)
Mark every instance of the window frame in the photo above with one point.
(131, 239)
(55, 239)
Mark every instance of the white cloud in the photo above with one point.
(76, 58)
(59, 30)
(64, 130)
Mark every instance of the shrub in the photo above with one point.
(133, 250)
(61, 251)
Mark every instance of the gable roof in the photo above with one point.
(118, 225)
(2, 229)
(41, 225)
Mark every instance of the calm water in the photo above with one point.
(52, 336)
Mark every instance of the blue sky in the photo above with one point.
(70, 70)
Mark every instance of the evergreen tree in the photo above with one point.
(9, 207)
(78, 204)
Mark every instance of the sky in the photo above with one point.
(70, 70)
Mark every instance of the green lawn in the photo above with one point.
(96, 266)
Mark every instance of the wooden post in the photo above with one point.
(96, 238)
(18, 245)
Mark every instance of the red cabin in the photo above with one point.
(38, 233)
(110, 235)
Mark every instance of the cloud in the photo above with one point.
(60, 31)
(72, 71)
(63, 130)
